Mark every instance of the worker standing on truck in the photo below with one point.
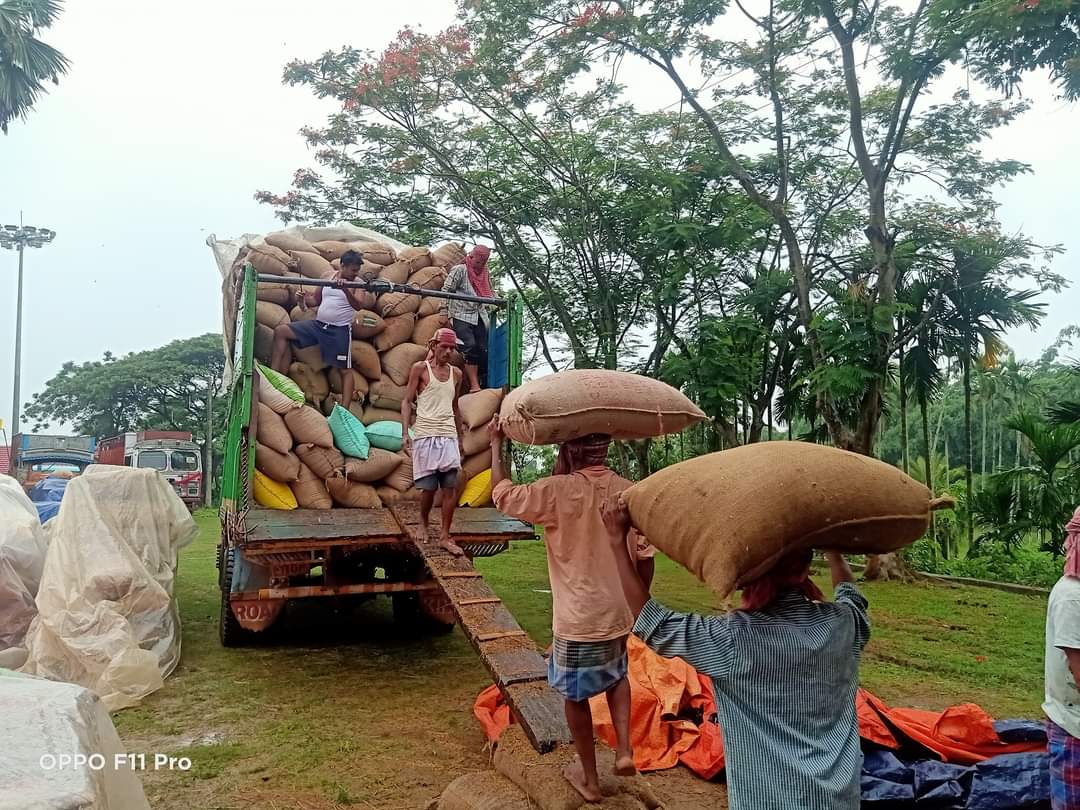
(467, 317)
(591, 620)
(785, 669)
(436, 442)
(332, 328)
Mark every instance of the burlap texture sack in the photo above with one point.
(307, 425)
(269, 260)
(431, 306)
(426, 328)
(729, 516)
(298, 314)
(322, 461)
(287, 241)
(387, 394)
(397, 330)
(431, 278)
(312, 265)
(483, 790)
(366, 360)
(313, 383)
(331, 249)
(367, 324)
(272, 397)
(378, 465)
(274, 293)
(476, 440)
(396, 273)
(373, 415)
(356, 407)
(417, 257)
(281, 467)
(352, 495)
(392, 304)
(401, 478)
(477, 409)
(310, 490)
(448, 255)
(360, 384)
(263, 348)
(382, 255)
(271, 430)
(572, 404)
(310, 356)
(390, 496)
(474, 465)
(398, 362)
(271, 315)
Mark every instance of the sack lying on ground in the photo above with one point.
(729, 516)
(310, 490)
(572, 404)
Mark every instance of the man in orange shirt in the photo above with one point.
(591, 618)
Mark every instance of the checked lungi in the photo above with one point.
(1064, 768)
(578, 670)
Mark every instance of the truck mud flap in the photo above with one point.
(256, 614)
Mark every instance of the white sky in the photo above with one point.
(174, 114)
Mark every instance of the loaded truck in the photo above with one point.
(38, 456)
(170, 452)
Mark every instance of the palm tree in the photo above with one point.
(26, 62)
(982, 307)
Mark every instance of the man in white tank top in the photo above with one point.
(436, 442)
(332, 328)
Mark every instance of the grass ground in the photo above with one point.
(341, 711)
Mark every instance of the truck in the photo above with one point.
(268, 558)
(36, 456)
(170, 452)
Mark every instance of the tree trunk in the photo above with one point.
(965, 362)
(903, 412)
(982, 466)
(208, 450)
(928, 460)
(946, 544)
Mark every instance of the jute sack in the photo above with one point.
(310, 490)
(474, 465)
(431, 306)
(271, 430)
(391, 304)
(269, 260)
(401, 478)
(312, 383)
(417, 258)
(398, 362)
(356, 408)
(366, 360)
(263, 348)
(427, 327)
(483, 790)
(477, 409)
(288, 241)
(387, 394)
(322, 461)
(277, 401)
(398, 330)
(308, 425)
(271, 315)
(476, 440)
(369, 271)
(297, 314)
(367, 324)
(274, 293)
(572, 404)
(729, 516)
(373, 415)
(281, 467)
(448, 255)
(360, 384)
(390, 496)
(351, 494)
(331, 249)
(431, 278)
(312, 265)
(396, 273)
(377, 466)
(378, 254)
(310, 356)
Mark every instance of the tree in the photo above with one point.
(169, 388)
(26, 63)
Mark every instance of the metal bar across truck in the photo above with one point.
(380, 287)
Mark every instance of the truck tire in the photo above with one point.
(229, 630)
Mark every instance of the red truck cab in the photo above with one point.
(172, 453)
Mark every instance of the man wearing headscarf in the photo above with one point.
(466, 317)
(1062, 670)
(591, 620)
(785, 669)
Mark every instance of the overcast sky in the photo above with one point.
(174, 114)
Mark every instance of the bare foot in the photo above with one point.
(421, 534)
(575, 775)
(448, 544)
(624, 765)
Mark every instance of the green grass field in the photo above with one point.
(342, 711)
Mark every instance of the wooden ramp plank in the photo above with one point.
(509, 655)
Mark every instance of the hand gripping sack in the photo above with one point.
(729, 516)
(571, 404)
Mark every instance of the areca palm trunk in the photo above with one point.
(928, 453)
(903, 412)
(968, 455)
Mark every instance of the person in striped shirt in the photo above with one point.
(785, 670)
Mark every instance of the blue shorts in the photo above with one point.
(335, 342)
(578, 670)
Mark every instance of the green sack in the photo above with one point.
(385, 435)
(349, 433)
(282, 383)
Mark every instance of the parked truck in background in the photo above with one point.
(36, 456)
(170, 452)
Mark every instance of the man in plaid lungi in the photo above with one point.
(1062, 705)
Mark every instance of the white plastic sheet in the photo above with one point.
(22, 557)
(107, 619)
(41, 721)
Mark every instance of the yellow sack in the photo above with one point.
(477, 491)
(275, 495)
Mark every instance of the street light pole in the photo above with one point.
(19, 237)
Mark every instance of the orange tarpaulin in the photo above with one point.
(672, 720)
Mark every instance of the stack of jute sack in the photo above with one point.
(316, 451)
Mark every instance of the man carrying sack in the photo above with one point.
(435, 445)
(1062, 670)
(785, 669)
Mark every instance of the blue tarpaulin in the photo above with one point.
(46, 495)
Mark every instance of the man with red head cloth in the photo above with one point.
(1062, 670)
(467, 317)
